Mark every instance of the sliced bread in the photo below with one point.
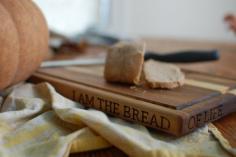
(162, 75)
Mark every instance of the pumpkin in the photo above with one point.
(24, 39)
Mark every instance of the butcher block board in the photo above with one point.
(204, 98)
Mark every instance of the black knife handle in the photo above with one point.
(184, 56)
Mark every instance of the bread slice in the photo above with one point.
(124, 62)
(162, 75)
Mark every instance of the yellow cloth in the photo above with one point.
(35, 121)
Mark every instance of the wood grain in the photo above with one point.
(227, 126)
(182, 120)
(223, 67)
(165, 45)
(177, 98)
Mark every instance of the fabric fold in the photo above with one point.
(37, 121)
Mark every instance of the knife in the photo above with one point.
(185, 56)
(175, 57)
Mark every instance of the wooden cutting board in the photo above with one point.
(204, 98)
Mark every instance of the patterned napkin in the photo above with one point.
(37, 121)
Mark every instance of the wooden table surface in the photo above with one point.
(225, 67)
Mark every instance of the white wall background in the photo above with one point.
(191, 19)
(69, 16)
(188, 19)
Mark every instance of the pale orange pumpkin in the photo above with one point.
(23, 40)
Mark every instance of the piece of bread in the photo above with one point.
(124, 62)
(162, 75)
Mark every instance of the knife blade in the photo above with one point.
(73, 62)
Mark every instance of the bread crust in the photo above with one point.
(124, 63)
